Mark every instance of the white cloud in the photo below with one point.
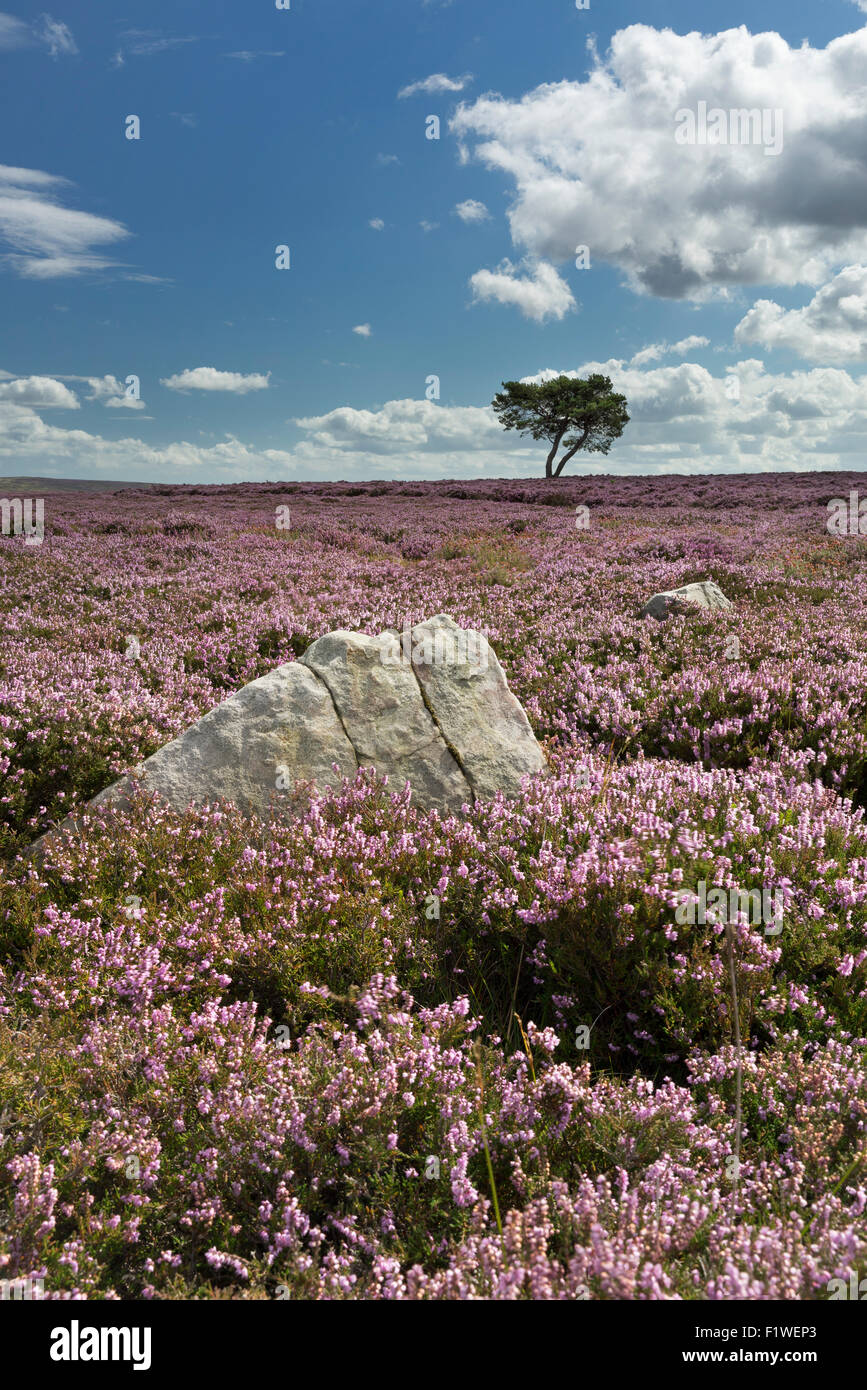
(26, 438)
(112, 394)
(363, 330)
(40, 391)
(428, 226)
(147, 279)
(46, 239)
(402, 424)
(387, 159)
(684, 345)
(436, 83)
(247, 55)
(832, 327)
(144, 43)
(50, 33)
(14, 33)
(596, 163)
(211, 379)
(654, 351)
(56, 36)
(472, 211)
(685, 419)
(539, 294)
(682, 420)
(376, 223)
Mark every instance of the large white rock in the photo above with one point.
(438, 715)
(247, 748)
(706, 595)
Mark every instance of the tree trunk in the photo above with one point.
(550, 459)
(569, 452)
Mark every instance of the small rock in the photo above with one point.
(706, 595)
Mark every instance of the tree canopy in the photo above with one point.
(577, 413)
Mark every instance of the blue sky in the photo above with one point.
(412, 257)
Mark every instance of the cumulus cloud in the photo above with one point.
(46, 239)
(402, 424)
(472, 211)
(596, 162)
(40, 391)
(211, 379)
(363, 330)
(109, 391)
(27, 438)
(376, 223)
(436, 83)
(428, 226)
(683, 419)
(832, 327)
(540, 293)
(654, 351)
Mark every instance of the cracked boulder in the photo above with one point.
(385, 717)
(478, 716)
(430, 707)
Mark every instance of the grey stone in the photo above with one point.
(706, 595)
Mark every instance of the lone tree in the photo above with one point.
(578, 414)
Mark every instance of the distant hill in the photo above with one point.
(19, 487)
